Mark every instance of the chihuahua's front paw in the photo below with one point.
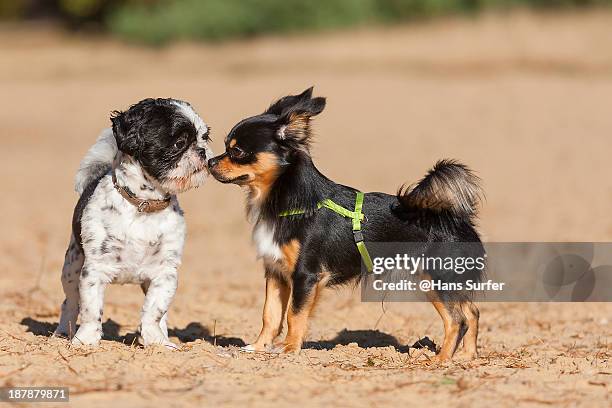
(88, 335)
(440, 359)
(286, 348)
(255, 348)
(465, 355)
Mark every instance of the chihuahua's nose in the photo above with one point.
(213, 162)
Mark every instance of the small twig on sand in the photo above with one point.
(15, 337)
(547, 402)
(183, 389)
(67, 363)
(307, 358)
(36, 287)
(77, 390)
(3, 375)
(215, 332)
(384, 311)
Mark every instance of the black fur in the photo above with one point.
(77, 215)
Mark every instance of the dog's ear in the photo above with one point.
(126, 135)
(287, 102)
(295, 121)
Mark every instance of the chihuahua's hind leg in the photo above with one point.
(470, 340)
(73, 262)
(455, 326)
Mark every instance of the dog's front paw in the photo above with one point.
(87, 335)
(465, 355)
(152, 335)
(440, 359)
(168, 344)
(286, 348)
(255, 348)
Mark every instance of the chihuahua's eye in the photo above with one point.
(237, 153)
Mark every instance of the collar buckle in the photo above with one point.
(143, 206)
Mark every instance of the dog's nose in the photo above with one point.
(213, 162)
(202, 153)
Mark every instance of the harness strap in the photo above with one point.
(358, 235)
(357, 216)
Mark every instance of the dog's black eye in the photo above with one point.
(180, 144)
(236, 153)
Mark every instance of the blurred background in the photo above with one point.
(519, 90)
(160, 22)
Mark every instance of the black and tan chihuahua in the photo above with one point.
(269, 155)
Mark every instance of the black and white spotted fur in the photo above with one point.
(158, 147)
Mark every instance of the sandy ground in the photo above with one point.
(525, 100)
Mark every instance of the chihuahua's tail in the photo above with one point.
(448, 186)
(98, 160)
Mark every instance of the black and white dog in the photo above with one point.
(127, 226)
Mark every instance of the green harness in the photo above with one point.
(357, 216)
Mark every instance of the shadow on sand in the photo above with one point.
(193, 331)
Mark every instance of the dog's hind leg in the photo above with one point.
(470, 346)
(91, 295)
(73, 262)
(455, 326)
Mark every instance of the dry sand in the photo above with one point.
(525, 100)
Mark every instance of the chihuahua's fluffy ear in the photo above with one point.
(286, 102)
(125, 134)
(294, 113)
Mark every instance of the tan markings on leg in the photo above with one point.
(278, 292)
(297, 322)
(452, 328)
(451, 332)
(275, 306)
(470, 341)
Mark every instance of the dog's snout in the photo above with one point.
(213, 162)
